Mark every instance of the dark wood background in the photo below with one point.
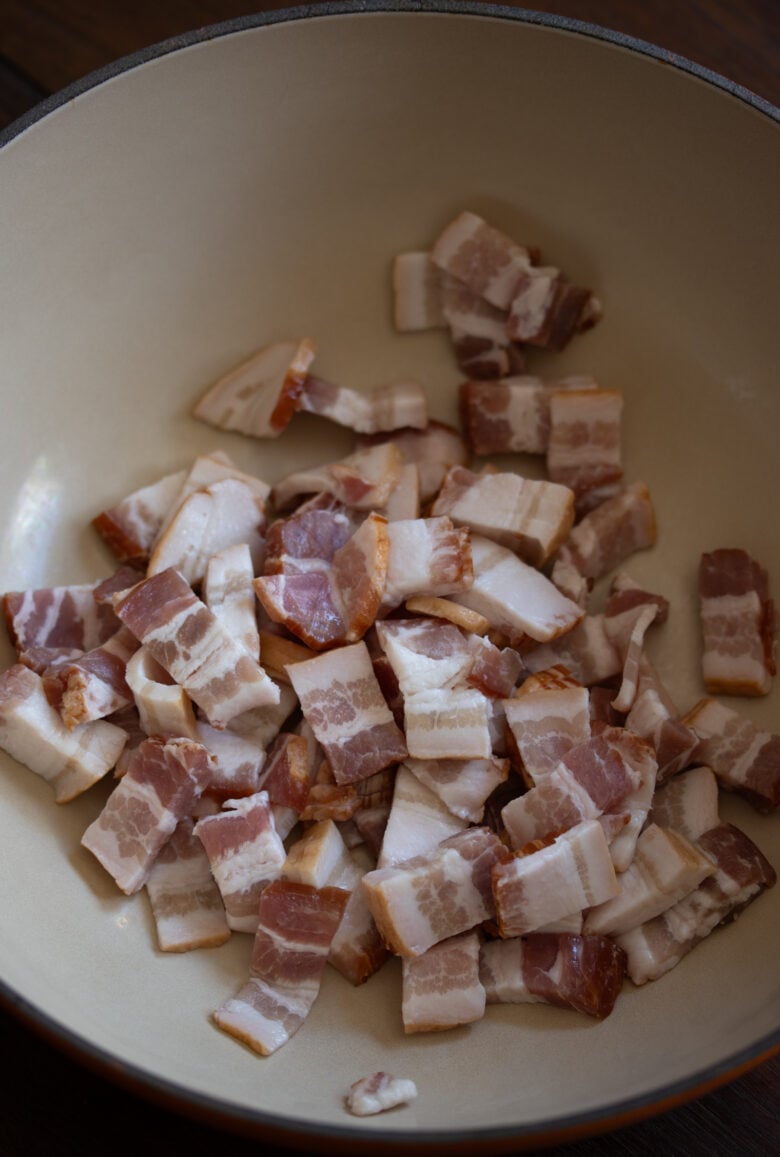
(50, 1103)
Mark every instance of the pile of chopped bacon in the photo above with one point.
(373, 709)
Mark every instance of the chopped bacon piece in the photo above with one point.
(429, 898)
(379, 1092)
(432, 450)
(584, 447)
(131, 526)
(587, 652)
(517, 599)
(163, 706)
(342, 702)
(573, 872)
(185, 638)
(363, 480)
(441, 988)
(417, 823)
(385, 408)
(427, 556)
(546, 723)
(495, 670)
(547, 310)
(416, 284)
(511, 415)
(654, 716)
(437, 608)
(573, 971)
(315, 531)
(610, 533)
(32, 732)
(245, 853)
(404, 500)
(296, 924)
(65, 616)
(478, 332)
(463, 785)
(687, 803)
(208, 470)
(92, 686)
(529, 516)
(237, 763)
(738, 624)
(260, 395)
(263, 724)
(744, 758)
(185, 900)
(45, 660)
(628, 631)
(230, 596)
(486, 260)
(164, 780)
(285, 773)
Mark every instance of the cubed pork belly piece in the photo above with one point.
(572, 873)
(364, 480)
(432, 897)
(378, 1092)
(532, 517)
(384, 408)
(163, 782)
(185, 638)
(463, 785)
(744, 758)
(417, 299)
(547, 310)
(343, 703)
(742, 873)
(65, 616)
(261, 725)
(517, 599)
(654, 716)
(404, 501)
(417, 823)
(486, 260)
(163, 706)
(259, 396)
(32, 732)
(687, 803)
(607, 535)
(237, 763)
(425, 654)
(426, 556)
(130, 527)
(286, 774)
(587, 651)
(584, 446)
(185, 901)
(511, 415)
(478, 332)
(738, 624)
(230, 596)
(441, 988)
(245, 852)
(296, 924)
(582, 972)
(208, 470)
(545, 723)
(94, 685)
(495, 671)
(432, 450)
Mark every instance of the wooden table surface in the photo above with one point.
(48, 1102)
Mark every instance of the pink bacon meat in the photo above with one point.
(130, 528)
(93, 685)
(385, 408)
(584, 446)
(185, 900)
(441, 988)
(426, 556)
(67, 616)
(432, 450)
(163, 782)
(744, 758)
(738, 624)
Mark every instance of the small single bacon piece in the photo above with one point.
(545, 723)
(131, 526)
(511, 415)
(463, 785)
(417, 298)
(547, 310)
(263, 724)
(363, 480)
(495, 670)
(185, 638)
(205, 471)
(94, 685)
(744, 758)
(260, 395)
(404, 500)
(186, 904)
(237, 763)
(654, 716)
(432, 897)
(163, 782)
(343, 703)
(665, 868)
(295, 927)
(742, 874)
(379, 1092)
(385, 408)
(245, 853)
(517, 599)
(532, 517)
(587, 652)
(738, 624)
(610, 533)
(489, 262)
(687, 803)
(428, 557)
(582, 972)
(418, 821)
(228, 593)
(66, 616)
(441, 988)
(432, 450)
(434, 607)
(32, 732)
(163, 706)
(286, 776)
(572, 873)
(584, 446)
(478, 331)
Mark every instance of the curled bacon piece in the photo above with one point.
(363, 480)
(428, 557)
(738, 624)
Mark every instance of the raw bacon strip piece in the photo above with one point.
(185, 901)
(45, 660)
(478, 333)
(32, 732)
(163, 706)
(738, 624)
(363, 480)
(379, 1092)
(245, 853)
(416, 284)
(432, 450)
(486, 260)
(742, 874)
(286, 775)
(511, 415)
(94, 685)
(295, 927)
(529, 516)
(425, 654)
(262, 724)
(463, 785)
(230, 596)
(587, 651)
(572, 873)
(610, 533)
(259, 396)
(584, 446)
(448, 723)
(430, 898)
(66, 616)
(131, 526)
(517, 599)
(163, 782)
(688, 803)
(313, 533)
(208, 470)
(495, 670)
(186, 639)
(237, 763)
(569, 970)
(665, 868)
(545, 724)
(385, 408)
(628, 632)
(744, 758)
(321, 858)
(654, 716)
(441, 988)
(342, 702)
(357, 950)
(222, 515)
(547, 310)
(418, 821)
(426, 556)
